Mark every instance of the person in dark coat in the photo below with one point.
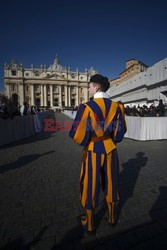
(160, 108)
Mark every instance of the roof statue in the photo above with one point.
(92, 71)
(56, 65)
(56, 61)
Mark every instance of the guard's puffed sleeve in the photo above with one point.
(120, 124)
(80, 132)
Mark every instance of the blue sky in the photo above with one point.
(102, 33)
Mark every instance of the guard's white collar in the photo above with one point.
(101, 95)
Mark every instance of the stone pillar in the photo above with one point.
(85, 94)
(77, 96)
(41, 95)
(45, 95)
(69, 96)
(21, 94)
(60, 96)
(51, 95)
(66, 95)
(7, 90)
(32, 95)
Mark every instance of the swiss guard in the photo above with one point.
(98, 126)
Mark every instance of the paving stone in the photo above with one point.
(153, 230)
(102, 236)
(27, 238)
(3, 244)
(2, 233)
(46, 244)
(145, 245)
(100, 247)
(89, 241)
(45, 221)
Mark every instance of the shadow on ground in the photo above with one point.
(22, 161)
(130, 169)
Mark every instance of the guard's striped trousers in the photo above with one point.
(99, 168)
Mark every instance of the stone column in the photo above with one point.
(85, 94)
(66, 95)
(51, 95)
(45, 96)
(41, 95)
(32, 95)
(69, 96)
(21, 94)
(60, 96)
(77, 96)
(7, 90)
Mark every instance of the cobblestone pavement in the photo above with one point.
(39, 201)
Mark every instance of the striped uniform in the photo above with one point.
(100, 118)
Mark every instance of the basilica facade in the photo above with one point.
(52, 87)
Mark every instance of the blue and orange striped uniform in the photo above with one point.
(98, 126)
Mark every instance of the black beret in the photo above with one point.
(102, 80)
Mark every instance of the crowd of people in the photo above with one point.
(8, 109)
(144, 111)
